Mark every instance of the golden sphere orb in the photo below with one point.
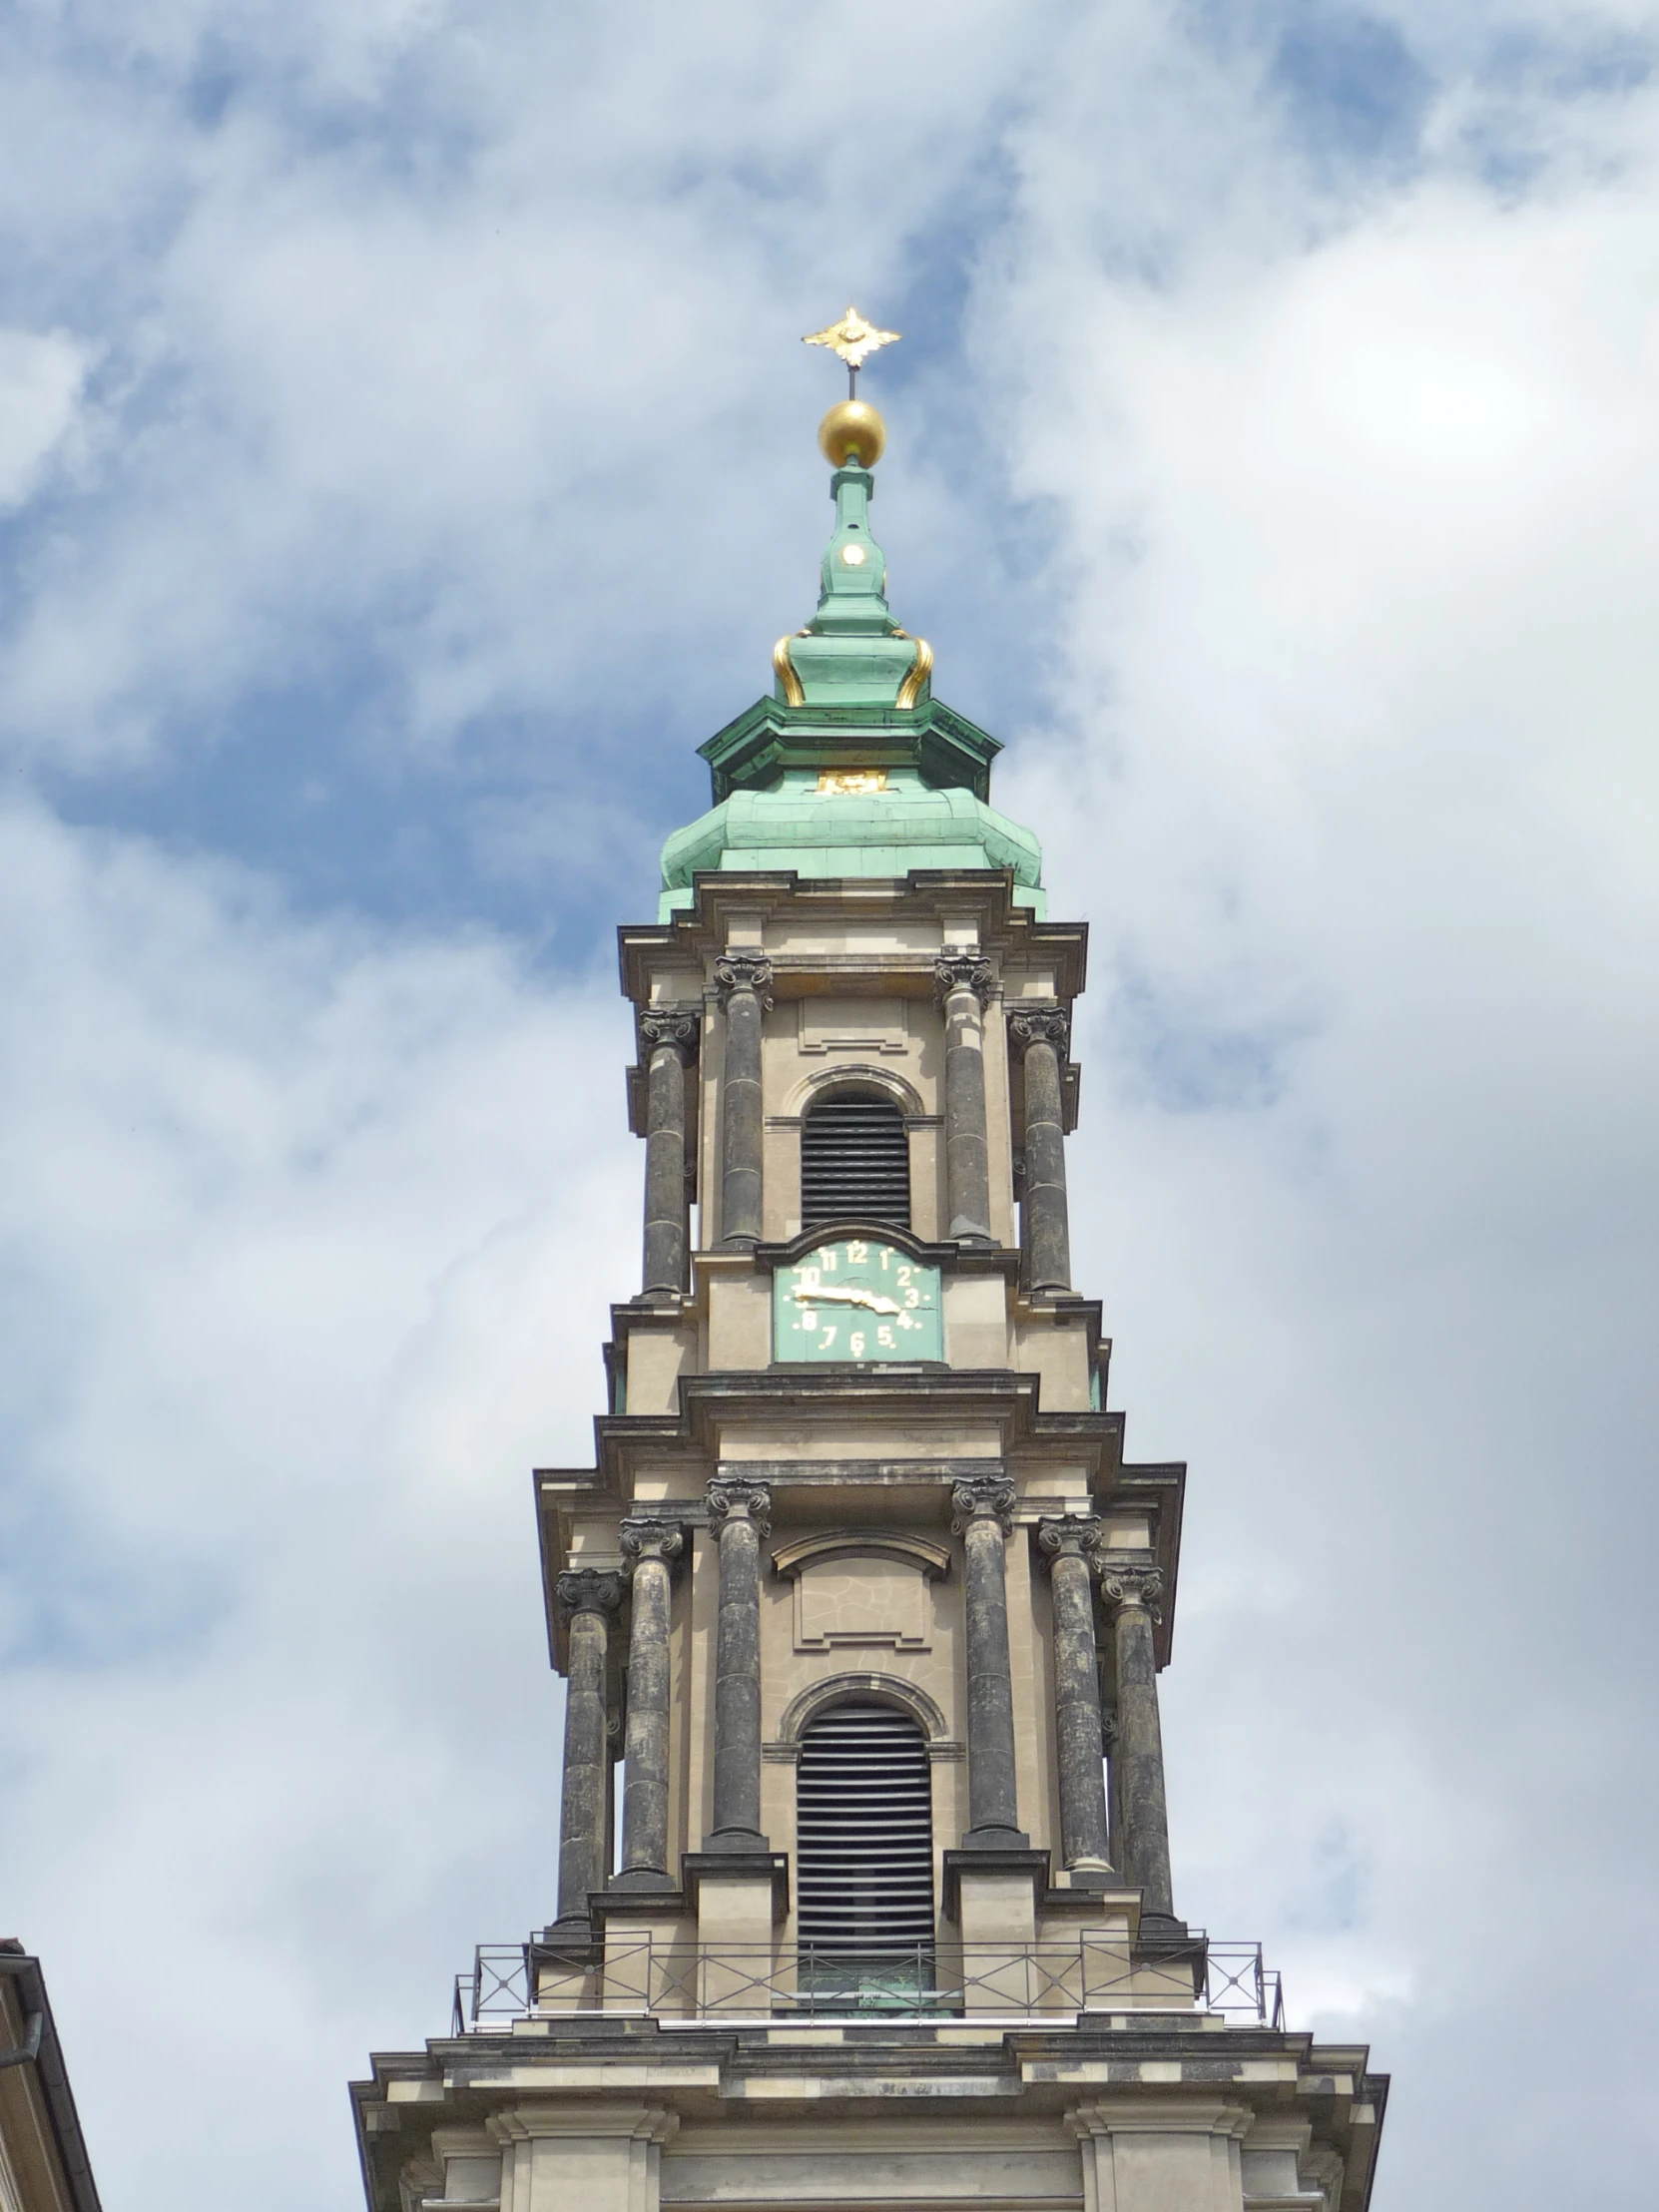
(854, 431)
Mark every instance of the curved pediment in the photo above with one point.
(928, 1558)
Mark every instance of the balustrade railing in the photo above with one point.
(681, 1982)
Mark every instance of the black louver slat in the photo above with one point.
(864, 1831)
(855, 1163)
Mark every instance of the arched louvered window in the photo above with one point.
(864, 1855)
(854, 1160)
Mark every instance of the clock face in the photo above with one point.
(857, 1299)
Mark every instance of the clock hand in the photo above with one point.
(846, 1294)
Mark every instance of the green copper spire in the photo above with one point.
(852, 653)
(851, 766)
(852, 600)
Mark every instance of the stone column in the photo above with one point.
(740, 1513)
(652, 1547)
(1070, 1547)
(1144, 1844)
(587, 1597)
(1046, 1229)
(744, 979)
(669, 1034)
(985, 1517)
(963, 980)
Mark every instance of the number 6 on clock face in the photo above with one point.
(856, 1300)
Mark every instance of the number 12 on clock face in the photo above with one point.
(857, 1299)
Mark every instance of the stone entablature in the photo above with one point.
(1116, 2114)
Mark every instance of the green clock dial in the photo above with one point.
(857, 1299)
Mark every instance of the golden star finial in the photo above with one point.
(853, 339)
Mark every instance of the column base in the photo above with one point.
(643, 1878)
(740, 1872)
(1165, 1929)
(571, 1938)
(1166, 1950)
(1092, 1874)
(1023, 1869)
(995, 1838)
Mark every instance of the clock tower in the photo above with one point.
(862, 1890)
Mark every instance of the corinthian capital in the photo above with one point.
(1134, 1585)
(674, 1026)
(642, 1538)
(744, 971)
(1073, 1536)
(962, 971)
(738, 1500)
(983, 1498)
(588, 1591)
(1042, 1026)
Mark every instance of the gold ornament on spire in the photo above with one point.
(853, 339)
(854, 431)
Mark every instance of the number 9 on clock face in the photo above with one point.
(857, 1299)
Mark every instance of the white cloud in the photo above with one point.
(41, 376)
(307, 1242)
(1364, 560)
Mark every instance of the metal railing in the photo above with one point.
(682, 1981)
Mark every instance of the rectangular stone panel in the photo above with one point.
(853, 1024)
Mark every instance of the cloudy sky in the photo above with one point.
(405, 459)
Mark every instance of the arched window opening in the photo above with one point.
(854, 1160)
(865, 1856)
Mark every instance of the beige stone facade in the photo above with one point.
(864, 1871)
(664, 2046)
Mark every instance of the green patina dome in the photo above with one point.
(851, 766)
(795, 826)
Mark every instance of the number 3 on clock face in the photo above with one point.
(857, 1299)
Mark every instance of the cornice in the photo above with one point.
(754, 747)
(962, 1259)
(700, 935)
(630, 1445)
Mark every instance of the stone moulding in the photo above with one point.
(892, 1689)
(933, 1559)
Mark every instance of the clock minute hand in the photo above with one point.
(846, 1294)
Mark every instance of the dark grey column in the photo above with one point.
(1070, 1547)
(669, 1034)
(586, 1596)
(985, 1517)
(963, 979)
(1046, 1231)
(652, 1547)
(1139, 1760)
(744, 979)
(740, 1513)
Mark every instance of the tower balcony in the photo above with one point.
(516, 1988)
